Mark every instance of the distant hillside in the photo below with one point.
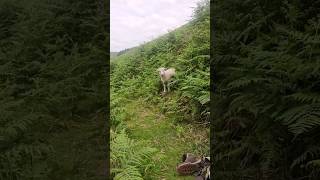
(113, 54)
(125, 50)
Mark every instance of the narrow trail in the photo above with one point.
(146, 123)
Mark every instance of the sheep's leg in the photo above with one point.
(168, 87)
(164, 86)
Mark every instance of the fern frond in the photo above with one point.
(305, 97)
(301, 119)
(244, 82)
(312, 153)
(129, 173)
(128, 158)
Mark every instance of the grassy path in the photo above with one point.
(145, 122)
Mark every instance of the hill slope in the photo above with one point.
(145, 124)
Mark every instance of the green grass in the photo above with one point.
(145, 123)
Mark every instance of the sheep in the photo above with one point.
(165, 76)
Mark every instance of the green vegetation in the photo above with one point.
(149, 133)
(52, 89)
(266, 100)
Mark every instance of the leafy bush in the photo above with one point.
(266, 98)
(51, 73)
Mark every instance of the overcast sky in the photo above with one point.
(136, 21)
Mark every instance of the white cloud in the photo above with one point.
(136, 21)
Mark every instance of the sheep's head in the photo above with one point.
(161, 71)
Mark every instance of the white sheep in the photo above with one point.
(165, 76)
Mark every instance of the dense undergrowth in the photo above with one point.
(52, 81)
(134, 76)
(266, 100)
